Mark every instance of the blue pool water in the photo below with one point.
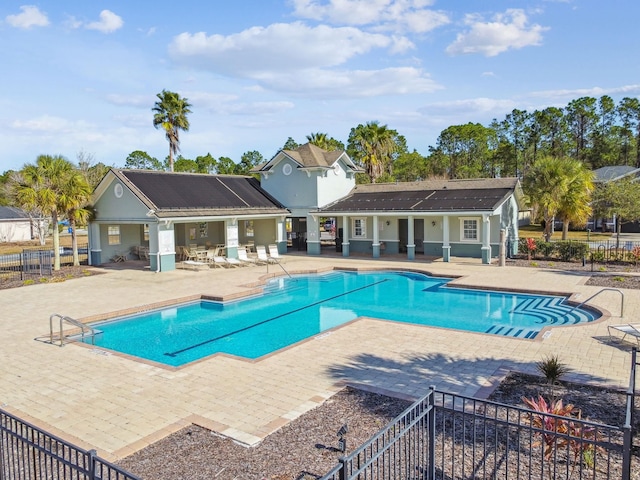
(293, 309)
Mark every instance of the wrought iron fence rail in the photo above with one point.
(445, 436)
(37, 262)
(29, 453)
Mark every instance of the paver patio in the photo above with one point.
(118, 405)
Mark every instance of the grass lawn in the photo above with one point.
(17, 247)
(535, 231)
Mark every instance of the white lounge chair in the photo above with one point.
(273, 252)
(218, 261)
(233, 262)
(626, 330)
(262, 255)
(244, 258)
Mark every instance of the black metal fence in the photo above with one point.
(37, 262)
(446, 436)
(600, 251)
(29, 453)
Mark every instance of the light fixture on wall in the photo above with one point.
(388, 223)
(433, 223)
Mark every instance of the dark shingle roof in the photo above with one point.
(429, 196)
(182, 194)
(605, 174)
(12, 213)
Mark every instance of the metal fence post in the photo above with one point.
(92, 464)
(431, 467)
(627, 442)
(342, 474)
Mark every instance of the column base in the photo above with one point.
(446, 254)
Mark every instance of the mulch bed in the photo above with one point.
(306, 447)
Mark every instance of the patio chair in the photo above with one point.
(273, 252)
(244, 258)
(219, 261)
(261, 250)
(631, 330)
(233, 262)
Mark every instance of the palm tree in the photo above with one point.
(170, 113)
(74, 201)
(559, 187)
(319, 140)
(373, 145)
(40, 187)
(575, 206)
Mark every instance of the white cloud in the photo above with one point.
(462, 111)
(278, 47)
(44, 123)
(131, 100)
(299, 59)
(396, 15)
(31, 16)
(109, 22)
(509, 30)
(352, 83)
(588, 92)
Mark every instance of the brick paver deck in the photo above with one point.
(118, 405)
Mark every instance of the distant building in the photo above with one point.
(302, 195)
(15, 225)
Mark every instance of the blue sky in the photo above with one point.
(83, 77)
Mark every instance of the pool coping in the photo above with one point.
(257, 288)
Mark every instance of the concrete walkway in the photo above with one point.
(118, 405)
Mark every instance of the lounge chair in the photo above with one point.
(262, 255)
(626, 330)
(244, 258)
(273, 252)
(233, 262)
(218, 261)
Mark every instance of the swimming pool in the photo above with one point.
(293, 309)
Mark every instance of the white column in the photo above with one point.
(411, 242)
(446, 247)
(345, 236)
(375, 247)
(486, 232)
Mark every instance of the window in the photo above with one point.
(145, 233)
(204, 230)
(113, 232)
(359, 228)
(468, 229)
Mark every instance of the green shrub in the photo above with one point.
(545, 249)
(568, 250)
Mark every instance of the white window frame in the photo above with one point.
(359, 223)
(463, 229)
(114, 234)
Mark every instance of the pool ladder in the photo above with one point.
(85, 330)
(598, 293)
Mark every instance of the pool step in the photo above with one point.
(516, 332)
(552, 311)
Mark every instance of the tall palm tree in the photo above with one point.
(170, 113)
(373, 145)
(40, 186)
(575, 206)
(319, 140)
(74, 201)
(559, 187)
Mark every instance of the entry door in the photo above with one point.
(418, 234)
(403, 232)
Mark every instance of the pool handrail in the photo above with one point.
(82, 326)
(598, 293)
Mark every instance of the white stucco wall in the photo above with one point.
(15, 231)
